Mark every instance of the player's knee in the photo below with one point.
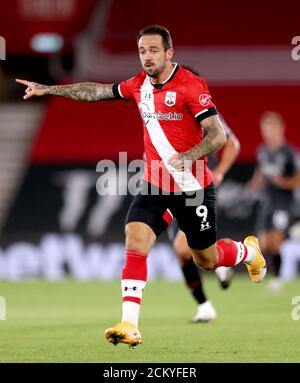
(138, 240)
(209, 265)
(205, 263)
(134, 241)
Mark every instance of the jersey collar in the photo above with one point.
(174, 71)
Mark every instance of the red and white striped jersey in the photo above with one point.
(171, 113)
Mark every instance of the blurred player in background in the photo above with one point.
(192, 274)
(277, 174)
(175, 107)
(290, 255)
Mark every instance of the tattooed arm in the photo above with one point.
(85, 91)
(213, 141)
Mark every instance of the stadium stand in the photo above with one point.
(255, 23)
(66, 18)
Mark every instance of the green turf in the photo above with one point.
(64, 322)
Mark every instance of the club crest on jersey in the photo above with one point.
(170, 98)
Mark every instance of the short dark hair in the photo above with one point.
(157, 30)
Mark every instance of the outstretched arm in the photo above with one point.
(213, 141)
(84, 91)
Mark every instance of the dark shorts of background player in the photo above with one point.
(197, 221)
(274, 215)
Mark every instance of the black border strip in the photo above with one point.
(210, 112)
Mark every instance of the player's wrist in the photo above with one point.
(50, 90)
(190, 155)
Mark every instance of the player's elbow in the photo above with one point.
(234, 144)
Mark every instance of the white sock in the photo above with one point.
(132, 291)
(251, 254)
(131, 312)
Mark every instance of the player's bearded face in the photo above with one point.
(153, 69)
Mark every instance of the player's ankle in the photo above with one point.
(251, 254)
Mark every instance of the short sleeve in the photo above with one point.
(199, 99)
(124, 90)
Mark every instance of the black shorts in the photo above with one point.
(195, 213)
(276, 216)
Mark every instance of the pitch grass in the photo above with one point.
(65, 321)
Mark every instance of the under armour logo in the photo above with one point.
(204, 226)
(134, 288)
